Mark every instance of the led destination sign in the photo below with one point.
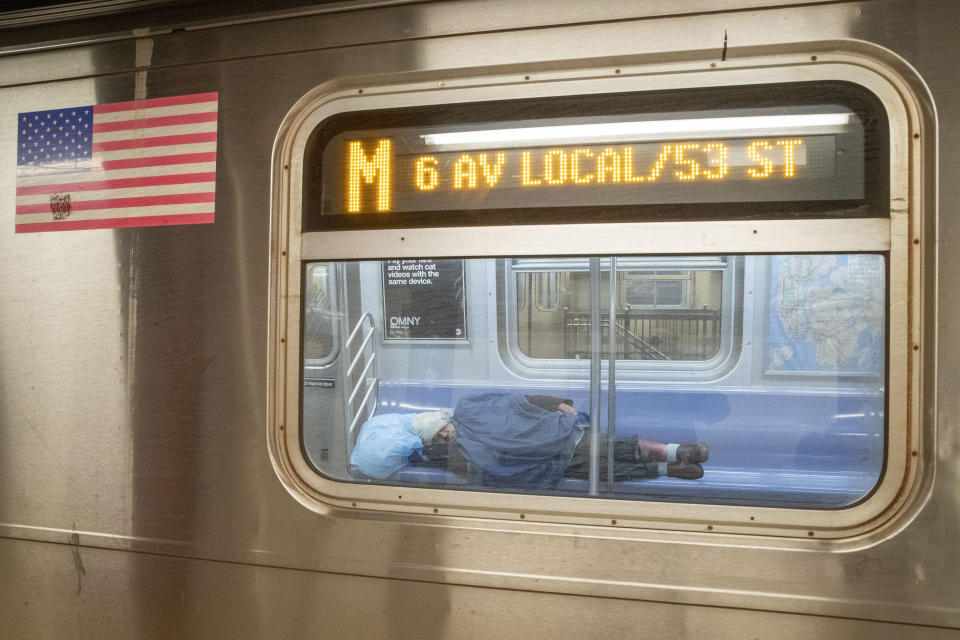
(762, 158)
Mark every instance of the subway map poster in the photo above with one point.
(826, 314)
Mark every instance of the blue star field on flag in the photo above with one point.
(57, 140)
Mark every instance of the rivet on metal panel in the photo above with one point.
(754, 232)
(359, 90)
(913, 453)
(916, 347)
(523, 516)
(916, 241)
(613, 522)
(526, 77)
(713, 65)
(616, 70)
(435, 510)
(709, 527)
(810, 533)
(440, 84)
(916, 135)
(813, 58)
(353, 504)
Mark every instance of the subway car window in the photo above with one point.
(667, 314)
(424, 405)
(737, 356)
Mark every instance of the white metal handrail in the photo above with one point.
(368, 380)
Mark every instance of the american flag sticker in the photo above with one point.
(126, 164)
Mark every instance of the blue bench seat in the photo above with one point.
(788, 448)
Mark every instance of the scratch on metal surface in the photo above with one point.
(74, 539)
(723, 52)
(54, 454)
(201, 366)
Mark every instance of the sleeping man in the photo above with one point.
(512, 440)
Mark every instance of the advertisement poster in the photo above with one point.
(424, 299)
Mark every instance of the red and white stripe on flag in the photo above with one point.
(145, 163)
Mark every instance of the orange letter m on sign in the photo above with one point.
(361, 170)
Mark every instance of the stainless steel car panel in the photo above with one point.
(104, 594)
(137, 496)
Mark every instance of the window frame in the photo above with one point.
(528, 366)
(552, 285)
(684, 277)
(888, 235)
(333, 290)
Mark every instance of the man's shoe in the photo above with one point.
(684, 470)
(693, 452)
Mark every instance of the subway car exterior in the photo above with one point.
(236, 239)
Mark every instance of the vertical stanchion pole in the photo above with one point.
(595, 340)
(611, 372)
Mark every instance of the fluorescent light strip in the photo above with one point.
(629, 129)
